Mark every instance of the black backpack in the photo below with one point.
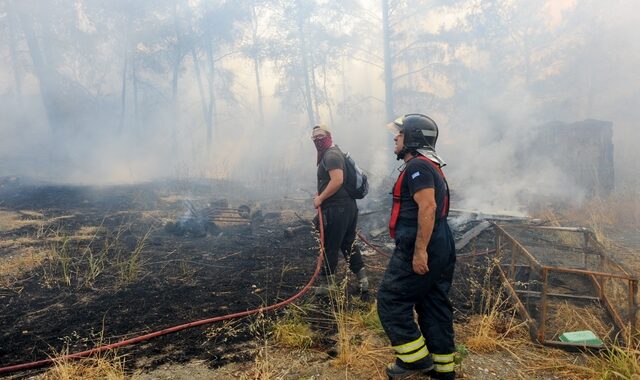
(355, 181)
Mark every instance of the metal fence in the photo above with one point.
(544, 267)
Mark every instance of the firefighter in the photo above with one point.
(339, 212)
(420, 271)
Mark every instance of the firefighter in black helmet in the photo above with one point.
(419, 274)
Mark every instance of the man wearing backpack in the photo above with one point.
(419, 274)
(339, 211)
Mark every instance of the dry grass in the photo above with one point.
(60, 261)
(618, 363)
(555, 219)
(25, 253)
(80, 259)
(107, 365)
(360, 347)
(617, 214)
(367, 317)
(88, 232)
(264, 367)
(219, 333)
(617, 291)
(293, 331)
(618, 210)
(498, 329)
(564, 317)
(501, 331)
(621, 208)
(10, 220)
(129, 267)
(21, 260)
(89, 369)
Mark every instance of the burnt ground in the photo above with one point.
(128, 276)
(105, 267)
(111, 270)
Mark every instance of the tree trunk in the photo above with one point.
(211, 112)
(388, 63)
(203, 100)
(134, 84)
(314, 86)
(14, 53)
(125, 69)
(177, 61)
(305, 67)
(123, 92)
(42, 71)
(326, 92)
(256, 65)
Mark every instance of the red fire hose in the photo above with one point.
(364, 240)
(126, 342)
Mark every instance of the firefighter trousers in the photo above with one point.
(340, 222)
(402, 291)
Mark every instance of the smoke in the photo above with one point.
(125, 99)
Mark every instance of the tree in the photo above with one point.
(216, 34)
(307, 48)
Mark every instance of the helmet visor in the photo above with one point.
(396, 127)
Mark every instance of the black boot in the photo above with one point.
(363, 281)
(400, 370)
(433, 374)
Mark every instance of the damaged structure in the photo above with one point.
(543, 265)
(548, 271)
(199, 222)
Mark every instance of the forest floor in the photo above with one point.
(81, 267)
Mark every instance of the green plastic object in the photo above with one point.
(585, 337)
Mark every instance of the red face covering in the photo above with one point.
(322, 144)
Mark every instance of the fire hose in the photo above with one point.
(368, 243)
(141, 338)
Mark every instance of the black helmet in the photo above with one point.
(420, 131)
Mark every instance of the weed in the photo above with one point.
(293, 331)
(94, 263)
(263, 367)
(617, 362)
(358, 348)
(220, 333)
(130, 267)
(90, 368)
(369, 319)
(567, 317)
(105, 365)
(60, 259)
